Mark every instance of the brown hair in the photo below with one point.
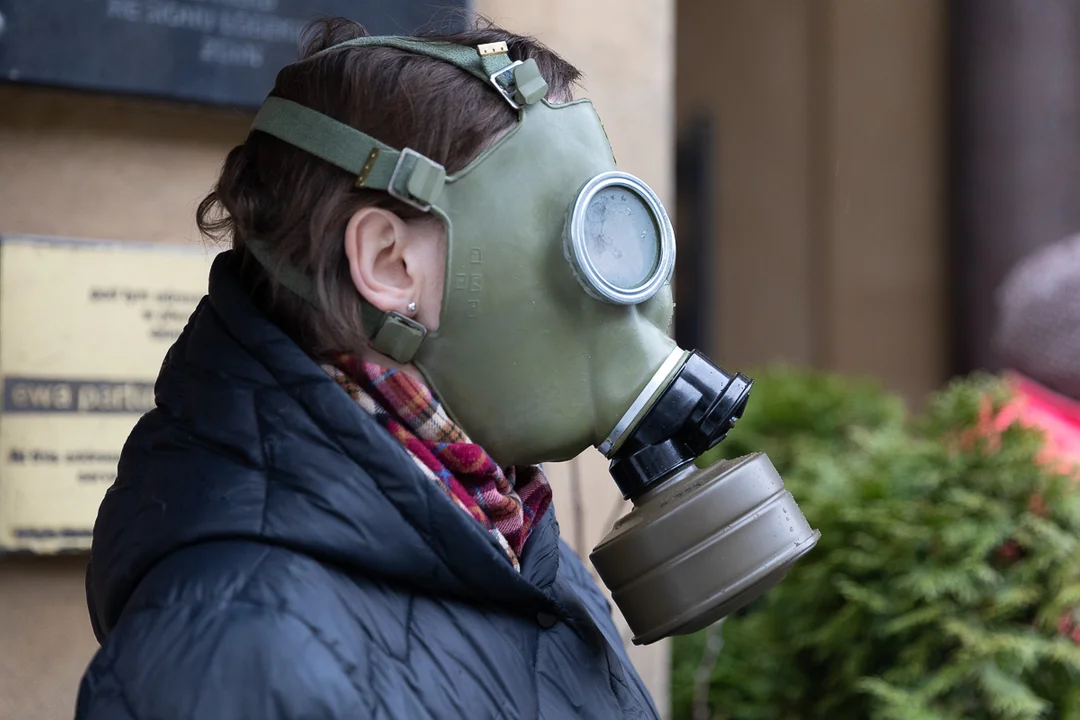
(299, 204)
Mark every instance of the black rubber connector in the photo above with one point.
(693, 415)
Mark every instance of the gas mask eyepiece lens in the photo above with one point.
(619, 239)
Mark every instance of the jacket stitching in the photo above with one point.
(536, 664)
(343, 664)
(122, 691)
(408, 625)
(267, 458)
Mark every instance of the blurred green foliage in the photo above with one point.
(937, 587)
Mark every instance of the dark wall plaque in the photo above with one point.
(220, 52)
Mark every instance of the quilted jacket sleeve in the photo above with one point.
(231, 662)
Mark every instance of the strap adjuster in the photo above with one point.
(397, 336)
(526, 85)
(425, 182)
(509, 90)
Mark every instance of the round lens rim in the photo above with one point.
(588, 275)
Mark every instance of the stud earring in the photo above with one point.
(411, 308)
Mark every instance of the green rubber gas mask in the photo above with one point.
(553, 338)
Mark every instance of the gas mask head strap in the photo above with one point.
(405, 174)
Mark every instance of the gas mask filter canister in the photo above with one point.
(553, 337)
(701, 541)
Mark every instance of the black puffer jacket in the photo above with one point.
(270, 552)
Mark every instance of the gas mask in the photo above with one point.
(553, 338)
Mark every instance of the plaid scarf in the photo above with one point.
(506, 502)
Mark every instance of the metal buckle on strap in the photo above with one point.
(426, 179)
(508, 94)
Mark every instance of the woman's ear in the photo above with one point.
(376, 245)
(397, 265)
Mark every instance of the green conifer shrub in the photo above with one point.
(938, 585)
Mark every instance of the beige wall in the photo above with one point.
(830, 181)
(884, 211)
(84, 165)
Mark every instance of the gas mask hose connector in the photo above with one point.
(694, 414)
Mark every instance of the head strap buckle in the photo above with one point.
(526, 85)
(425, 180)
(509, 88)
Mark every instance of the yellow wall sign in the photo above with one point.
(84, 327)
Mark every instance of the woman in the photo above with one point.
(299, 530)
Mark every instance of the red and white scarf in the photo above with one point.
(507, 502)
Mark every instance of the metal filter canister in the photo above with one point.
(701, 545)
